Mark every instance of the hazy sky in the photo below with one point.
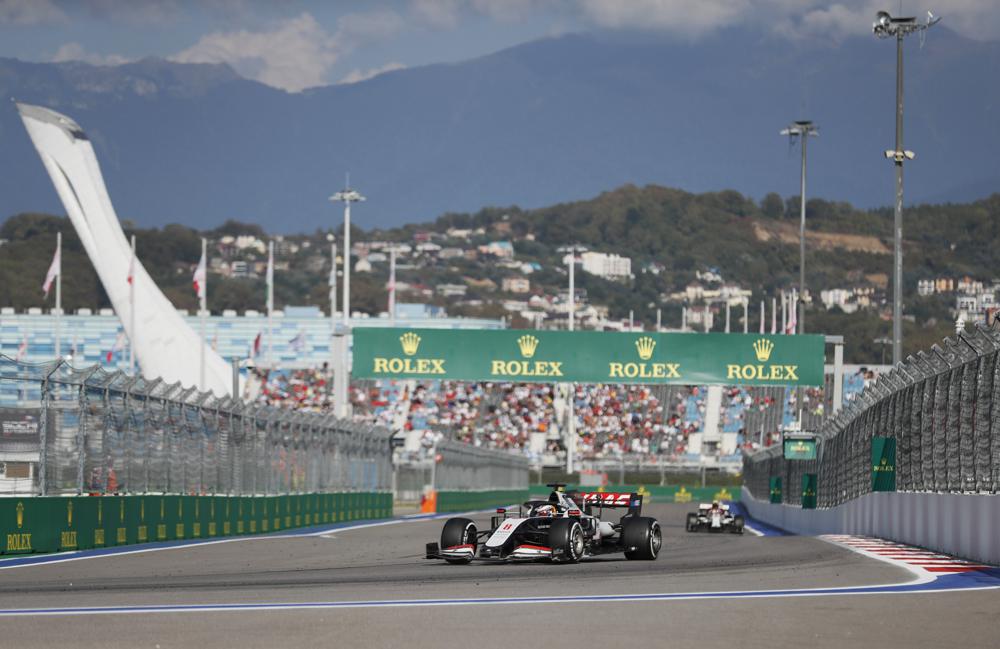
(296, 44)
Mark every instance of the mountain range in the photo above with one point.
(544, 122)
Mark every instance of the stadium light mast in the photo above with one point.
(345, 196)
(571, 392)
(802, 129)
(886, 26)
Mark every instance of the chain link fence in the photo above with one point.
(108, 432)
(942, 407)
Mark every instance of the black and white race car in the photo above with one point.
(714, 517)
(565, 528)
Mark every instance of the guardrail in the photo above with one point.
(942, 410)
(101, 432)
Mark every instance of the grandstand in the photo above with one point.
(672, 423)
(301, 338)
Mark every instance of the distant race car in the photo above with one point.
(714, 517)
(563, 529)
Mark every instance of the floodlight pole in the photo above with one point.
(897, 219)
(346, 196)
(571, 389)
(886, 27)
(803, 129)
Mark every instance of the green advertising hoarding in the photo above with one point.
(775, 489)
(883, 463)
(800, 449)
(808, 491)
(587, 356)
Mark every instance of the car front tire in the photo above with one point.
(566, 534)
(458, 531)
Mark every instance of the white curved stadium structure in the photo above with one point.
(165, 346)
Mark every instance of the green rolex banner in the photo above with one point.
(883, 463)
(808, 491)
(588, 356)
(775, 489)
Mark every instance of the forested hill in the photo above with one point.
(557, 119)
(670, 235)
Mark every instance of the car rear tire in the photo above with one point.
(692, 523)
(566, 535)
(458, 531)
(642, 538)
(737, 525)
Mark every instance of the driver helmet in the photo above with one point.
(545, 510)
(715, 504)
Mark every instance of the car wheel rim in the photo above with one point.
(655, 541)
(576, 541)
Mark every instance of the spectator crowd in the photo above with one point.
(611, 419)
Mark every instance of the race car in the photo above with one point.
(714, 517)
(565, 528)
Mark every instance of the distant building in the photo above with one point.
(925, 287)
(451, 290)
(502, 249)
(944, 285)
(969, 286)
(515, 285)
(605, 265)
(975, 307)
(485, 284)
(450, 253)
(240, 269)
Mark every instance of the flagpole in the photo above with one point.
(333, 285)
(203, 306)
(59, 296)
(774, 315)
(392, 286)
(131, 309)
(784, 314)
(270, 303)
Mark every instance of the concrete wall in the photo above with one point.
(966, 526)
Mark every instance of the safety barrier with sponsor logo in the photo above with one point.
(657, 493)
(51, 524)
(465, 501)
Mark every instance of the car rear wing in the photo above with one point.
(611, 499)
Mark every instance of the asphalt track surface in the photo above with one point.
(348, 576)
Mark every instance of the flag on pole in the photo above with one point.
(117, 347)
(255, 348)
(55, 269)
(298, 343)
(22, 349)
(200, 275)
(793, 315)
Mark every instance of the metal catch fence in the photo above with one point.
(465, 467)
(109, 432)
(941, 406)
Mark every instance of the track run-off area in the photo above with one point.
(369, 585)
